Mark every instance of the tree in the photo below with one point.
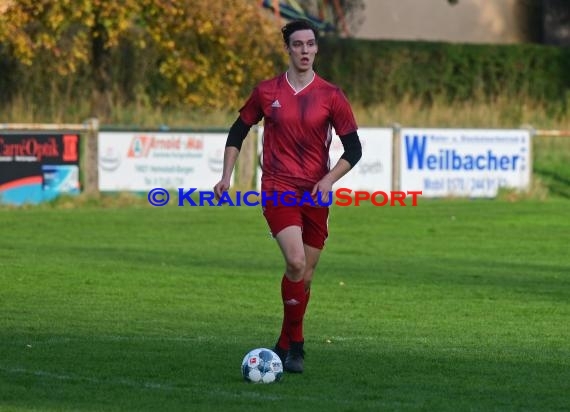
(340, 16)
(346, 15)
(206, 52)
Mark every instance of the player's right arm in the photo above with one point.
(236, 136)
(251, 113)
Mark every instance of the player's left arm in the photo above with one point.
(351, 156)
(352, 149)
(345, 124)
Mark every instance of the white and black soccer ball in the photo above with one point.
(261, 365)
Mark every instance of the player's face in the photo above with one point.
(302, 49)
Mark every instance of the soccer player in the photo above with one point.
(299, 108)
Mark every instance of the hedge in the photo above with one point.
(372, 71)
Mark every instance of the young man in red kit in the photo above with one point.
(299, 109)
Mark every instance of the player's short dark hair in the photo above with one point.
(297, 25)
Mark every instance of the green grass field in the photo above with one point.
(551, 164)
(454, 305)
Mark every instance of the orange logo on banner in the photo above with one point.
(194, 143)
(140, 146)
(70, 148)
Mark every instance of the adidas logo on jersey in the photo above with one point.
(276, 103)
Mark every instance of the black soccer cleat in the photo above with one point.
(282, 353)
(295, 358)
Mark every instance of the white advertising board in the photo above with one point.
(133, 161)
(464, 162)
(374, 170)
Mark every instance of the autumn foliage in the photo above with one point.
(195, 53)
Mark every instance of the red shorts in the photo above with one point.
(312, 220)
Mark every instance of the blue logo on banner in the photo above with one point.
(449, 159)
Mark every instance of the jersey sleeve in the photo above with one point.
(342, 119)
(251, 112)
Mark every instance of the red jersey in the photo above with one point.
(297, 130)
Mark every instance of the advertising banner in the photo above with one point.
(133, 161)
(374, 170)
(464, 162)
(38, 166)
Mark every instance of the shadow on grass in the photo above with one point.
(142, 372)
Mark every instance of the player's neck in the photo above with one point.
(299, 79)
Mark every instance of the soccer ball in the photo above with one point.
(261, 365)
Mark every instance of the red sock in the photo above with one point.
(294, 305)
(284, 337)
(307, 297)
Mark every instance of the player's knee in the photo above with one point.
(296, 266)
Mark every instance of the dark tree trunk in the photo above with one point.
(101, 103)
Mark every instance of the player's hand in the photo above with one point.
(324, 187)
(221, 187)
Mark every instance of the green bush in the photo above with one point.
(388, 71)
(371, 72)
